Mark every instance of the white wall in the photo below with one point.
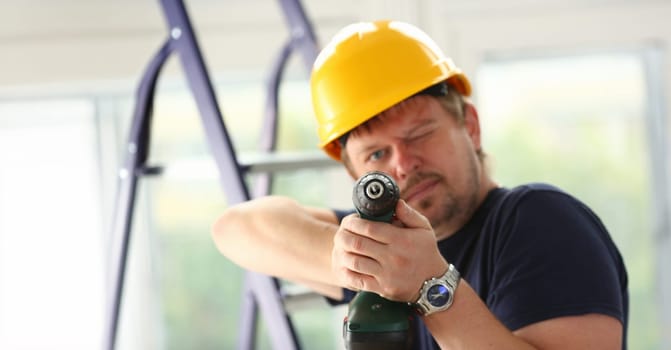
(79, 41)
(51, 42)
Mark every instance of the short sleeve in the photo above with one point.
(554, 258)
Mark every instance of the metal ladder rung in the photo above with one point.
(296, 298)
(206, 168)
(284, 161)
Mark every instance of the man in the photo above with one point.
(529, 267)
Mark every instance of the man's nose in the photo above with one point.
(405, 161)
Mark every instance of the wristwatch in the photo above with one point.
(437, 293)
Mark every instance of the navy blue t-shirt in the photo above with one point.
(534, 253)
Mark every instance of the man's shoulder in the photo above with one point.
(542, 207)
(536, 189)
(538, 205)
(538, 194)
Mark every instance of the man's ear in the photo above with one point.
(472, 124)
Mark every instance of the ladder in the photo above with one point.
(261, 293)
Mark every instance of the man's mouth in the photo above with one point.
(420, 189)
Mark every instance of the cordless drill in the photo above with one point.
(374, 322)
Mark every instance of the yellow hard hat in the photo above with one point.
(370, 66)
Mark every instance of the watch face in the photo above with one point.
(438, 295)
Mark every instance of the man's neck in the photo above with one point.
(451, 227)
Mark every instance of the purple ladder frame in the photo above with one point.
(260, 291)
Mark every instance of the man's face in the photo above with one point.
(431, 156)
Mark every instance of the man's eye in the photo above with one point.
(421, 136)
(377, 155)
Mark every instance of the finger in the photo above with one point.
(356, 253)
(354, 243)
(361, 264)
(351, 271)
(374, 230)
(410, 217)
(356, 281)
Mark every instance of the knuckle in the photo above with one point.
(401, 262)
(357, 244)
(391, 292)
(355, 263)
(354, 282)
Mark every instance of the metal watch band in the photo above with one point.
(449, 280)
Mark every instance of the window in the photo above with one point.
(51, 246)
(580, 122)
(197, 290)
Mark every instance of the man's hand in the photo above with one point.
(392, 260)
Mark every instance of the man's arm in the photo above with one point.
(278, 237)
(393, 261)
(468, 324)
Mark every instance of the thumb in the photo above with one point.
(410, 217)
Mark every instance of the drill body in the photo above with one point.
(373, 322)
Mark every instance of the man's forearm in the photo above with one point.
(276, 236)
(468, 324)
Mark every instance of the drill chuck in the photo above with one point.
(375, 195)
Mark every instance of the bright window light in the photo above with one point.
(51, 257)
